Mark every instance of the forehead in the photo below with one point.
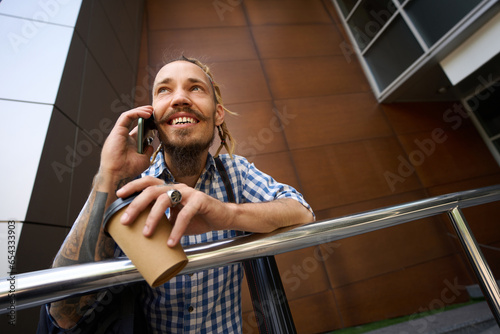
(181, 70)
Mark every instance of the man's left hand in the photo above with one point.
(195, 214)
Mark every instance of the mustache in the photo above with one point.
(189, 110)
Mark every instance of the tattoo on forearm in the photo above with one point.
(82, 244)
(105, 247)
(86, 242)
(88, 249)
(70, 310)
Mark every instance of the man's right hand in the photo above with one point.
(120, 161)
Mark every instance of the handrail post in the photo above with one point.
(476, 259)
(269, 300)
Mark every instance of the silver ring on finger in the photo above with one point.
(175, 196)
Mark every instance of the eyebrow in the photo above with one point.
(164, 81)
(195, 80)
(191, 80)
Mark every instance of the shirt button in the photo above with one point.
(190, 309)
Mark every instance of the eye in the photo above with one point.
(197, 89)
(162, 90)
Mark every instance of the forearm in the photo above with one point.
(86, 242)
(269, 216)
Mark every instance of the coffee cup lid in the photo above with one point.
(115, 207)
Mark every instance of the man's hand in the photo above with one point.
(196, 213)
(199, 213)
(119, 157)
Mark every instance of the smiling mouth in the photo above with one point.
(183, 120)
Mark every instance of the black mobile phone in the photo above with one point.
(144, 126)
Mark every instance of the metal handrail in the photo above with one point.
(44, 286)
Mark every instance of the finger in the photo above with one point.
(139, 185)
(127, 118)
(182, 221)
(155, 215)
(140, 203)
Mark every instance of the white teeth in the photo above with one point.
(183, 120)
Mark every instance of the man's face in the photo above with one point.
(184, 106)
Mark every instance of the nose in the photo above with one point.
(180, 99)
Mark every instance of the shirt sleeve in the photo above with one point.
(258, 186)
(86, 324)
(47, 324)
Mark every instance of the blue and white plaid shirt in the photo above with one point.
(210, 301)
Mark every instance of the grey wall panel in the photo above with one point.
(98, 99)
(69, 94)
(125, 25)
(51, 191)
(97, 116)
(104, 46)
(82, 26)
(38, 246)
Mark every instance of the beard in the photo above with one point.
(186, 158)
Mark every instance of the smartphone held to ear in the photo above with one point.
(144, 126)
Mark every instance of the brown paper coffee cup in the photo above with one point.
(153, 258)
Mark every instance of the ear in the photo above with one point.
(219, 115)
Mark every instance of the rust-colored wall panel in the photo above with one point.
(207, 44)
(256, 128)
(430, 285)
(246, 304)
(345, 173)
(323, 120)
(316, 313)
(295, 11)
(303, 272)
(422, 116)
(444, 156)
(192, 14)
(241, 81)
(313, 76)
(371, 204)
(308, 40)
(381, 252)
(465, 184)
(250, 323)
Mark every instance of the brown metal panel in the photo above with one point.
(323, 120)
(314, 76)
(308, 40)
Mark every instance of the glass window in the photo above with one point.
(486, 107)
(346, 6)
(392, 53)
(434, 18)
(368, 18)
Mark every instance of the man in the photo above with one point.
(187, 108)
